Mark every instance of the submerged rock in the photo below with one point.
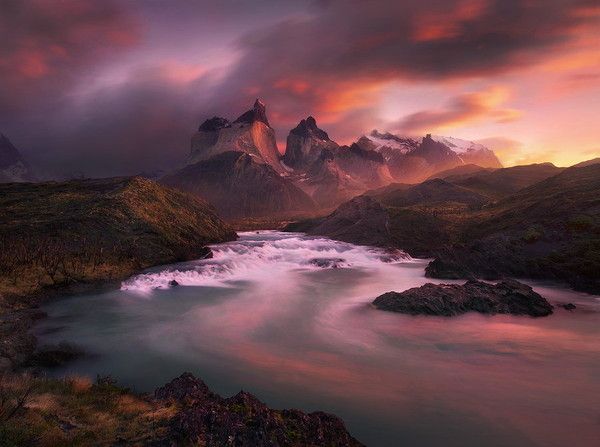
(173, 283)
(328, 263)
(569, 306)
(205, 418)
(506, 297)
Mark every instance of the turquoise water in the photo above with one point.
(287, 317)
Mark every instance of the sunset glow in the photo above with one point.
(527, 72)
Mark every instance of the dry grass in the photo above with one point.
(74, 411)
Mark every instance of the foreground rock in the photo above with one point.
(208, 419)
(506, 297)
(75, 411)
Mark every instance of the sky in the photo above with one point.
(118, 87)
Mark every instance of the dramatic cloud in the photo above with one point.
(311, 62)
(463, 109)
(117, 87)
(45, 45)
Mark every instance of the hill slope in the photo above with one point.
(499, 183)
(238, 186)
(548, 230)
(61, 233)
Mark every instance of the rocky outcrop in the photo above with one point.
(305, 144)
(239, 186)
(506, 297)
(205, 418)
(13, 168)
(249, 133)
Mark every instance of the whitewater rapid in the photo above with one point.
(265, 256)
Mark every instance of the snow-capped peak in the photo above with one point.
(388, 140)
(458, 145)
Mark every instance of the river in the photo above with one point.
(287, 318)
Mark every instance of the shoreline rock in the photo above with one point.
(506, 297)
(243, 420)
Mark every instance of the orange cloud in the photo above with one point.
(460, 110)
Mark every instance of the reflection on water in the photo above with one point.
(266, 315)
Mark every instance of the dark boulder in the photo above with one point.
(173, 283)
(569, 306)
(506, 297)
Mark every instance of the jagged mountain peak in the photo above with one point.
(308, 128)
(214, 123)
(257, 113)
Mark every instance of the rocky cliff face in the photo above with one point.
(205, 418)
(330, 173)
(13, 168)
(249, 133)
(305, 144)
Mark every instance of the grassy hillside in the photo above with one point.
(55, 235)
(498, 183)
(549, 229)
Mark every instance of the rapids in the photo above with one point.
(288, 318)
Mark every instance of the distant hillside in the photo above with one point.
(550, 229)
(59, 234)
(499, 183)
(417, 218)
(582, 164)
(429, 193)
(460, 170)
(238, 186)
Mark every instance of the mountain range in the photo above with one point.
(237, 166)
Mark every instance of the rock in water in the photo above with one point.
(506, 297)
(173, 283)
(569, 306)
(205, 418)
